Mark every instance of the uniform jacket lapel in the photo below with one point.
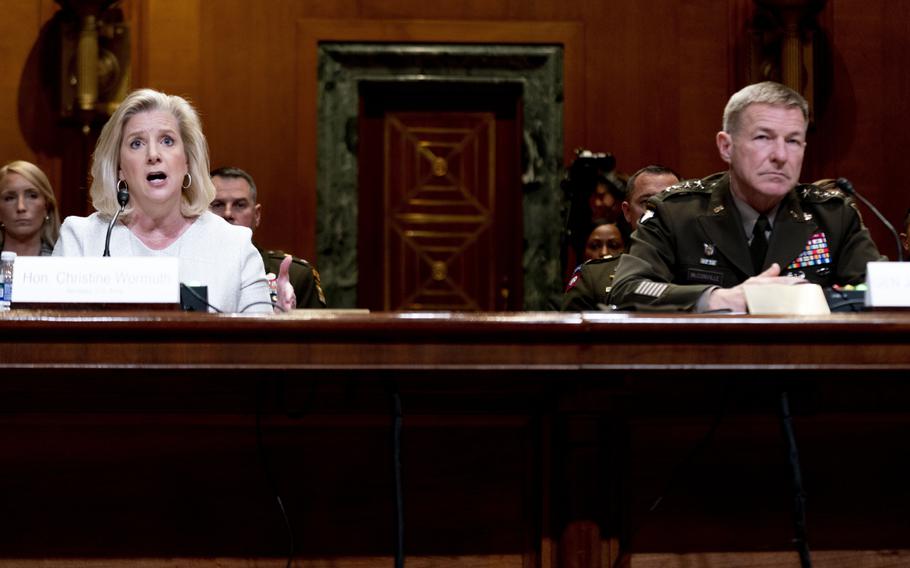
(722, 226)
(792, 229)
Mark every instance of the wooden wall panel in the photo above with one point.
(248, 94)
(704, 86)
(20, 25)
(895, 140)
(606, 85)
(850, 127)
(169, 46)
(664, 74)
(862, 124)
(654, 76)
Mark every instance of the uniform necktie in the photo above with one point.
(759, 245)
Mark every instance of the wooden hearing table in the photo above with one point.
(531, 439)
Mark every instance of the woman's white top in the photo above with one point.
(211, 252)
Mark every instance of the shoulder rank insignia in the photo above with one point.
(683, 187)
(817, 193)
(690, 184)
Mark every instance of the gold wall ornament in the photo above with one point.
(440, 167)
(784, 43)
(439, 271)
(94, 58)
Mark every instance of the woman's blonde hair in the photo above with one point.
(106, 159)
(33, 174)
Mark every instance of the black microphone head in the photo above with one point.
(845, 186)
(123, 197)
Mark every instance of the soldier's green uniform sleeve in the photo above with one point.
(304, 278)
(307, 287)
(644, 276)
(578, 298)
(590, 285)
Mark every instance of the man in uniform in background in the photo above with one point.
(701, 241)
(642, 186)
(235, 201)
(591, 283)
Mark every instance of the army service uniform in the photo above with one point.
(692, 238)
(590, 284)
(303, 277)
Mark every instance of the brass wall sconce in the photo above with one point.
(95, 59)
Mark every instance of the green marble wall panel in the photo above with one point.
(343, 67)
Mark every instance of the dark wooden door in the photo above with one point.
(440, 207)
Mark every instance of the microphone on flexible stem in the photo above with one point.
(123, 197)
(847, 187)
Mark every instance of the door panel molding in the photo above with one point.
(331, 68)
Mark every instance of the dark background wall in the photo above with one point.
(652, 80)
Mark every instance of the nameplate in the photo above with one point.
(888, 285)
(95, 280)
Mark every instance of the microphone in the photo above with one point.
(847, 187)
(123, 197)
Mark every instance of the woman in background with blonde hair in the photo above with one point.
(29, 221)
